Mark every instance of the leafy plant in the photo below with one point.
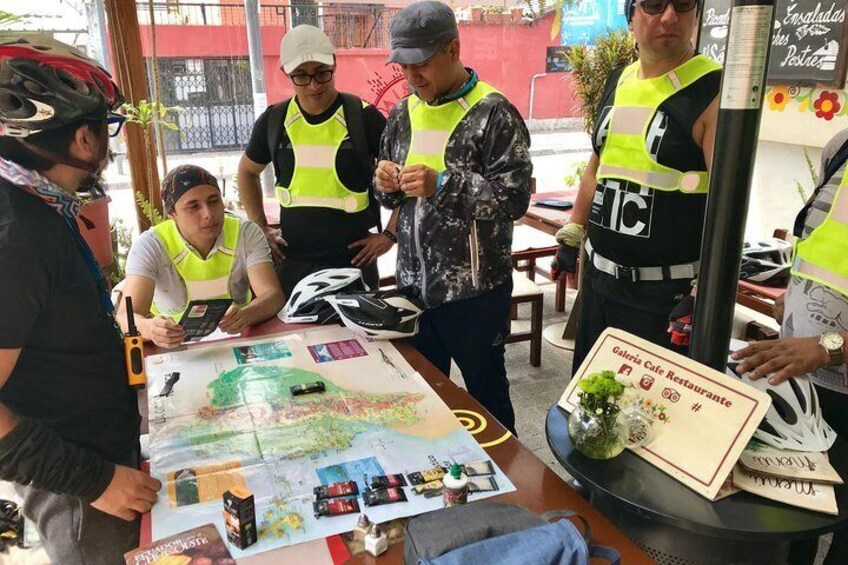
(145, 115)
(592, 66)
(153, 215)
(7, 18)
(600, 392)
(802, 192)
(572, 179)
(121, 243)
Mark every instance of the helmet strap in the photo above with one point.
(67, 160)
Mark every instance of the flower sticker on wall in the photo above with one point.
(778, 97)
(827, 105)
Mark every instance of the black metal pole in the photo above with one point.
(740, 108)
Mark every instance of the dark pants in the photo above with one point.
(290, 272)
(598, 313)
(75, 533)
(834, 407)
(471, 332)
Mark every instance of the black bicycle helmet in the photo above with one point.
(46, 84)
(385, 314)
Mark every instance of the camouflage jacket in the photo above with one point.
(457, 243)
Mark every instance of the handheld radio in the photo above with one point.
(133, 350)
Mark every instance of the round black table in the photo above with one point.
(675, 525)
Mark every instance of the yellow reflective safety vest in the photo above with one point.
(204, 279)
(823, 256)
(625, 154)
(315, 182)
(432, 126)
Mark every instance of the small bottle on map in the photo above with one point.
(376, 542)
(363, 526)
(455, 491)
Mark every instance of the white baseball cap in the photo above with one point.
(305, 44)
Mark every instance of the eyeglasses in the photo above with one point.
(114, 123)
(321, 77)
(655, 7)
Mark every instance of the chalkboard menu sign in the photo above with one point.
(809, 44)
(555, 62)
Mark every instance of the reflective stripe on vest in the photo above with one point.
(823, 256)
(315, 182)
(204, 279)
(432, 126)
(625, 154)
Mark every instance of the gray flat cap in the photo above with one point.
(419, 29)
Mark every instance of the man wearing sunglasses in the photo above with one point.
(69, 423)
(455, 161)
(642, 197)
(323, 145)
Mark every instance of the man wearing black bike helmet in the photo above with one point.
(69, 420)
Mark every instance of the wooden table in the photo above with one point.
(538, 488)
(548, 220)
(758, 297)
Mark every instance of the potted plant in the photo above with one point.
(592, 66)
(597, 426)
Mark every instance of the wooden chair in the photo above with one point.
(525, 291)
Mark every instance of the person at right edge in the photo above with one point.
(455, 161)
(814, 318)
(69, 422)
(642, 197)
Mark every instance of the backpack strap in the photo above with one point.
(833, 165)
(599, 551)
(352, 107)
(275, 131)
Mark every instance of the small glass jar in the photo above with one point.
(598, 436)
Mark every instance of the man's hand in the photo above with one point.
(777, 309)
(387, 177)
(234, 321)
(781, 359)
(680, 321)
(565, 261)
(374, 245)
(418, 180)
(131, 492)
(276, 243)
(164, 332)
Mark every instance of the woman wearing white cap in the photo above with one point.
(323, 145)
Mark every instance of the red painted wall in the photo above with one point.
(506, 56)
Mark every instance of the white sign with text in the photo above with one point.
(703, 418)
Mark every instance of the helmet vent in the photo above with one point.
(799, 394)
(34, 87)
(786, 413)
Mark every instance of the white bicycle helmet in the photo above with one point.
(387, 314)
(307, 304)
(766, 262)
(794, 419)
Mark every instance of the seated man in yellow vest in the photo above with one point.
(455, 162)
(323, 146)
(814, 315)
(199, 253)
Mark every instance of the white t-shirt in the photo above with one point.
(148, 258)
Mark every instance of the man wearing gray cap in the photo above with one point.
(454, 160)
(323, 145)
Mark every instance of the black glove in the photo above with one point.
(565, 261)
(680, 321)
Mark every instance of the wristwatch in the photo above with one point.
(833, 343)
(390, 236)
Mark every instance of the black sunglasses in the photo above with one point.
(114, 123)
(321, 77)
(654, 7)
